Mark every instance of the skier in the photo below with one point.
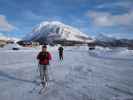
(60, 49)
(44, 57)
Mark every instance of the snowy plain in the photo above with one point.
(102, 74)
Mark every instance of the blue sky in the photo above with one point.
(93, 17)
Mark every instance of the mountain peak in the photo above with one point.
(50, 23)
(53, 22)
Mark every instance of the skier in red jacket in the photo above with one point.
(44, 57)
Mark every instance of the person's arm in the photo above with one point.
(49, 56)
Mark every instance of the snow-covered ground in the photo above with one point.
(102, 74)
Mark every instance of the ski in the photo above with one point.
(43, 89)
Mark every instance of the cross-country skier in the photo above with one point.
(60, 49)
(44, 57)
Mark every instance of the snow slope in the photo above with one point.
(55, 30)
(83, 75)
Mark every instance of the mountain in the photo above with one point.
(55, 31)
(106, 41)
(104, 38)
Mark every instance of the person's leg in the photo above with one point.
(46, 73)
(59, 55)
(62, 55)
(41, 69)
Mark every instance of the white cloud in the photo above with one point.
(3, 37)
(29, 15)
(107, 19)
(5, 25)
(120, 4)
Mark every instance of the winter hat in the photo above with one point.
(44, 46)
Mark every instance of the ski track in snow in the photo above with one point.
(83, 75)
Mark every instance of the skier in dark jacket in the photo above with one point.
(44, 57)
(60, 49)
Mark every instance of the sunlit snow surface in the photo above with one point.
(102, 74)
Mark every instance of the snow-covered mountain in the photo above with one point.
(104, 38)
(55, 30)
(109, 41)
